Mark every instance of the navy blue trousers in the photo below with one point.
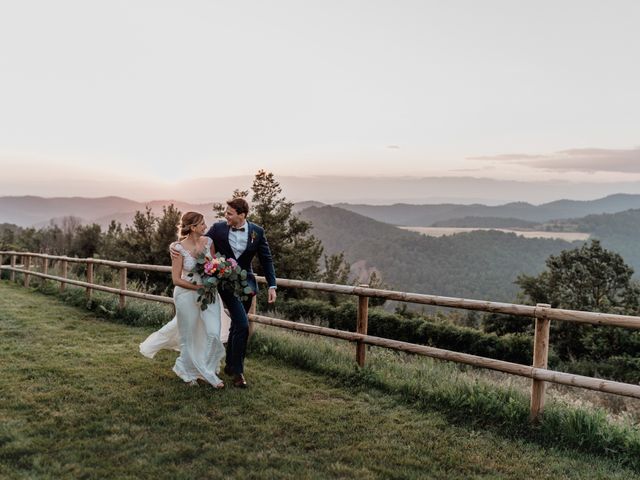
(239, 331)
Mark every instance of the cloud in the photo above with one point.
(588, 160)
(507, 157)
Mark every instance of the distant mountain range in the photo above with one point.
(330, 189)
(39, 211)
(451, 214)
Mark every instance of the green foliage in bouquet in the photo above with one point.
(219, 272)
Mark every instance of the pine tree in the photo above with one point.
(375, 281)
(137, 243)
(165, 234)
(337, 271)
(86, 241)
(295, 250)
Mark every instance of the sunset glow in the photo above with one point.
(160, 92)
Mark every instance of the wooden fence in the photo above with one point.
(542, 313)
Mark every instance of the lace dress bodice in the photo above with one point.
(189, 261)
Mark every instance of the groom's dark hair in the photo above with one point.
(240, 205)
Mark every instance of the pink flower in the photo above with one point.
(210, 267)
(233, 263)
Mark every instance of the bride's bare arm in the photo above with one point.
(176, 274)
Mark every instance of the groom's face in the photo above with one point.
(233, 218)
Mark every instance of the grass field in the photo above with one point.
(78, 401)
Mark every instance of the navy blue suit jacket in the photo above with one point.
(256, 245)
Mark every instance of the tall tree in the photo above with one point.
(70, 225)
(165, 234)
(337, 271)
(53, 240)
(113, 245)
(295, 250)
(375, 281)
(137, 242)
(8, 235)
(139, 237)
(86, 241)
(587, 278)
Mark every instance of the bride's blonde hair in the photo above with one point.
(188, 221)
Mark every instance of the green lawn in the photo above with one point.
(78, 401)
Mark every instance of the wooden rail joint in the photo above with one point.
(542, 311)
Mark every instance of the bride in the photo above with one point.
(198, 336)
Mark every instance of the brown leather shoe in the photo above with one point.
(239, 381)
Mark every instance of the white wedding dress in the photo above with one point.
(197, 334)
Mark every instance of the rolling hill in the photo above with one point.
(619, 232)
(479, 264)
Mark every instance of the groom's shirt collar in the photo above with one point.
(238, 240)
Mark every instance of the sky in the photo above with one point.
(161, 92)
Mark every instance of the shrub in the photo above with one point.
(414, 329)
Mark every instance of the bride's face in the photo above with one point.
(200, 228)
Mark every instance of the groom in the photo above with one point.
(242, 240)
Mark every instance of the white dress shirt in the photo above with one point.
(238, 240)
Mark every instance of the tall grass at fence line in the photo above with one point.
(140, 313)
(463, 398)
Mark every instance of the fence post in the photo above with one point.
(540, 359)
(252, 311)
(27, 266)
(45, 269)
(362, 325)
(89, 278)
(12, 275)
(64, 267)
(123, 285)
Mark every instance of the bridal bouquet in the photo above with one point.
(222, 272)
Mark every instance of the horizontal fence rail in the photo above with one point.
(102, 288)
(542, 313)
(466, 304)
(590, 383)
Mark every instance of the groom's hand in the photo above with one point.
(174, 253)
(272, 295)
